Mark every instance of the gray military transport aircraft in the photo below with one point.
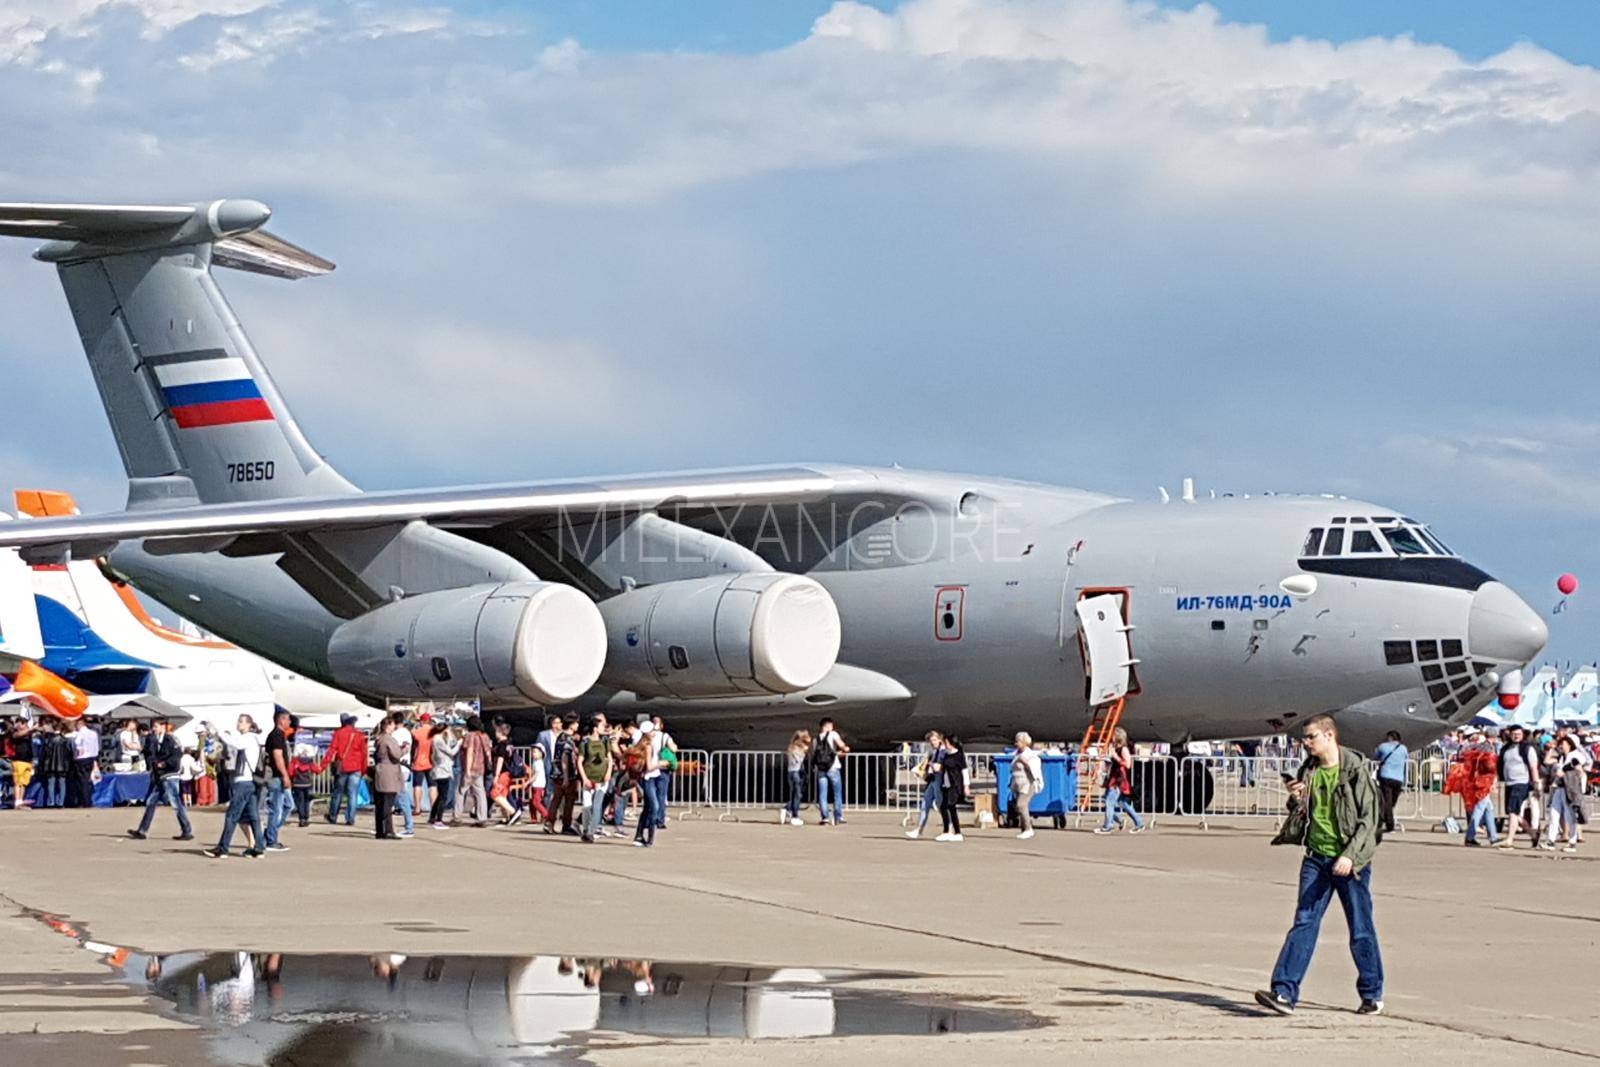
(742, 603)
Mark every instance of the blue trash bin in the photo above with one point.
(1060, 793)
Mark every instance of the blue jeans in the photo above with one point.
(594, 803)
(169, 792)
(663, 786)
(242, 808)
(275, 811)
(797, 793)
(1317, 884)
(826, 782)
(403, 804)
(619, 801)
(1117, 802)
(932, 801)
(646, 831)
(1482, 813)
(346, 788)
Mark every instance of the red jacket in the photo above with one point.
(349, 749)
(1473, 777)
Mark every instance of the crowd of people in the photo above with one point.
(1546, 777)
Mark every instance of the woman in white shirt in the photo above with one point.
(130, 746)
(1027, 780)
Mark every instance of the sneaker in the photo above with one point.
(1370, 1007)
(252, 853)
(607, 833)
(1024, 835)
(1570, 848)
(1140, 829)
(1473, 844)
(406, 833)
(945, 837)
(1505, 846)
(304, 823)
(137, 835)
(826, 822)
(637, 843)
(183, 837)
(1273, 1002)
(516, 817)
(796, 821)
(955, 837)
(213, 854)
(913, 834)
(838, 822)
(1105, 829)
(280, 847)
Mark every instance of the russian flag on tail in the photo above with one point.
(211, 391)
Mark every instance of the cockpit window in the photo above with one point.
(1433, 539)
(1364, 541)
(1404, 541)
(1313, 543)
(1335, 542)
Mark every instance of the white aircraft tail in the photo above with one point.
(195, 414)
(20, 637)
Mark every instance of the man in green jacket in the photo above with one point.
(1333, 813)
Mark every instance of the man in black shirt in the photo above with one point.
(165, 760)
(276, 757)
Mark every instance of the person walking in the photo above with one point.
(422, 762)
(642, 765)
(1119, 786)
(301, 770)
(1567, 772)
(932, 783)
(1333, 816)
(1519, 769)
(476, 752)
(244, 752)
(795, 764)
(165, 760)
(347, 755)
(508, 765)
(402, 798)
(594, 770)
(827, 755)
(389, 779)
(277, 791)
(444, 744)
(956, 786)
(562, 777)
(1027, 781)
(1391, 757)
(1477, 790)
(85, 758)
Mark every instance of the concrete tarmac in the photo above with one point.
(1128, 948)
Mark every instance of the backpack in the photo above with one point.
(516, 764)
(822, 755)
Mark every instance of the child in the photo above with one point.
(190, 771)
(301, 768)
(536, 782)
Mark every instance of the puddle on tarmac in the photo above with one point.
(440, 1010)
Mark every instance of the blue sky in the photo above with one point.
(1346, 248)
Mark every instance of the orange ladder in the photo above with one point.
(1102, 726)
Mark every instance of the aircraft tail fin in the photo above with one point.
(194, 412)
(20, 635)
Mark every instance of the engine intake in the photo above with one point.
(533, 641)
(721, 636)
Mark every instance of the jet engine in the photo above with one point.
(721, 636)
(534, 641)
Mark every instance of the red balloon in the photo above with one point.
(1568, 584)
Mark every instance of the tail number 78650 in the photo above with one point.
(258, 471)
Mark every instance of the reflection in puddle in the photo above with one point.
(393, 1010)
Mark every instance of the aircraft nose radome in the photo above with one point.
(1501, 626)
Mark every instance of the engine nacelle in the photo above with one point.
(534, 641)
(709, 637)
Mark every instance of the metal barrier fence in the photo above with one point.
(1197, 787)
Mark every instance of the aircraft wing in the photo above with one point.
(209, 527)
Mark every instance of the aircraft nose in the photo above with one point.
(1501, 626)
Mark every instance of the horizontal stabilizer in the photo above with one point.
(231, 227)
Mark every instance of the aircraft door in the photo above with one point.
(1105, 638)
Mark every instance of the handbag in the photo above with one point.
(1295, 826)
